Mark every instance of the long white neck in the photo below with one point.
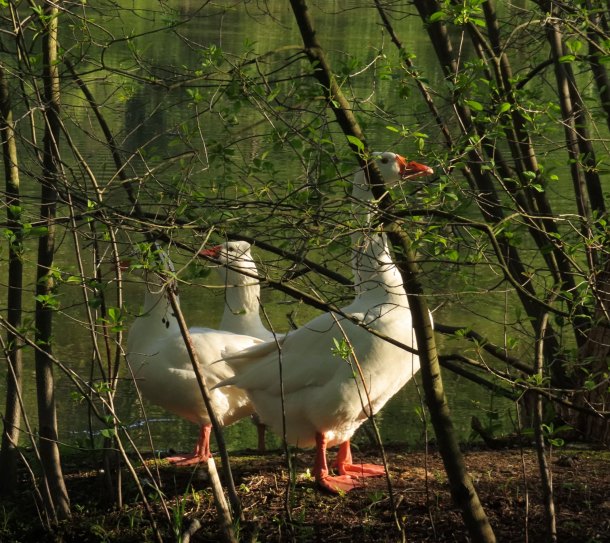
(242, 303)
(157, 318)
(362, 206)
(375, 273)
(379, 276)
(362, 200)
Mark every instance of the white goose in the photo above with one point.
(160, 362)
(324, 403)
(394, 169)
(242, 300)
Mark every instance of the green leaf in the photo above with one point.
(37, 231)
(104, 387)
(574, 45)
(48, 301)
(473, 104)
(504, 107)
(453, 255)
(436, 16)
(108, 432)
(589, 385)
(114, 314)
(341, 349)
(567, 58)
(356, 142)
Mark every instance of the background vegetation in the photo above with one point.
(124, 124)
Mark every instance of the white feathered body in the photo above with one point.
(162, 367)
(323, 393)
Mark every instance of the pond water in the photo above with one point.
(147, 114)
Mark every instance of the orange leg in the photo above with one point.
(345, 465)
(202, 450)
(335, 484)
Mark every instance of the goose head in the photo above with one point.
(233, 256)
(394, 168)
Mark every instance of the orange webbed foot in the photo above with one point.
(361, 470)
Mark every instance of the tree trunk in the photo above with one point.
(462, 489)
(12, 414)
(57, 502)
(594, 354)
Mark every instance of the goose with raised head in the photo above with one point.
(329, 391)
(241, 313)
(394, 169)
(159, 360)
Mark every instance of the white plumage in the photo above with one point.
(241, 313)
(159, 359)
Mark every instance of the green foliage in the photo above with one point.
(342, 349)
(114, 319)
(108, 432)
(48, 301)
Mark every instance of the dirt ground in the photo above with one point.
(507, 482)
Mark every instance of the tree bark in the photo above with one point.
(594, 350)
(546, 479)
(594, 354)
(12, 414)
(462, 489)
(57, 502)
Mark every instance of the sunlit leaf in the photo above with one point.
(473, 104)
(356, 142)
(436, 16)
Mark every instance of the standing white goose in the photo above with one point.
(325, 398)
(394, 169)
(242, 300)
(160, 362)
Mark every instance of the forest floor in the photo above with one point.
(507, 482)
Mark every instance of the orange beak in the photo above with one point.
(412, 169)
(213, 252)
